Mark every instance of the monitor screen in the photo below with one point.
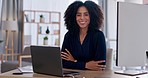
(132, 34)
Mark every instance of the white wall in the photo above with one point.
(112, 22)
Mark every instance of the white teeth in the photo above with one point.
(82, 22)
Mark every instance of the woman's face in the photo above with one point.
(82, 17)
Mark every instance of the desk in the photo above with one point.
(83, 74)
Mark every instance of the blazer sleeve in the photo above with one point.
(70, 64)
(100, 47)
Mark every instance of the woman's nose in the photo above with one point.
(82, 16)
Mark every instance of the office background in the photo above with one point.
(109, 8)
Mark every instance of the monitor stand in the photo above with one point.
(132, 71)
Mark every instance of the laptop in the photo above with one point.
(47, 60)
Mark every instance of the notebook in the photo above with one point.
(47, 60)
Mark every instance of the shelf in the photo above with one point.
(43, 23)
(48, 34)
(34, 27)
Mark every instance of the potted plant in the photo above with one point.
(45, 42)
(42, 18)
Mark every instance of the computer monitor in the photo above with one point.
(132, 38)
(132, 30)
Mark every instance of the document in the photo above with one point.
(26, 69)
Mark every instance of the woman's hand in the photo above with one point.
(67, 56)
(95, 65)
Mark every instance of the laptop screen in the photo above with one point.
(46, 60)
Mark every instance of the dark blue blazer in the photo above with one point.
(92, 48)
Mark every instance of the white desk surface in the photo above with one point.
(83, 74)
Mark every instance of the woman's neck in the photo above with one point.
(83, 31)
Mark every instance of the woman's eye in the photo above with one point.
(86, 14)
(78, 15)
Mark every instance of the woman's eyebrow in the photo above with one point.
(81, 12)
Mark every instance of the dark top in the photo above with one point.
(92, 48)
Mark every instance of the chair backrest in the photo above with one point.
(26, 50)
(109, 59)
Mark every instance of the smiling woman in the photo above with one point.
(84, 44)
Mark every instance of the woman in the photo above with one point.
(84, 44)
